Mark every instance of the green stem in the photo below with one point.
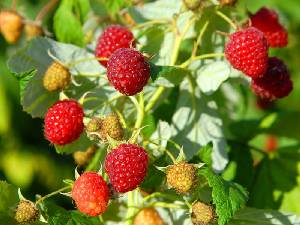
(72, 64)
(51, 194)
(141, 111)
(165, 150)
(130, 208)
(204, 56)
(154, 98)
(167, 205)
(227, 19)
(177, 43)
(199, 39)
(152, 22)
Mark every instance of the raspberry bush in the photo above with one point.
(171, 111)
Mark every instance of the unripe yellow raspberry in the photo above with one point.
(57, 77)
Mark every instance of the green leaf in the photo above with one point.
(276, 183)
(160, 137)
(196, 123)
(8, 198)
(245, 129)
(82, 143)
(285, 124)
(167, 75)
(212, 75)
(114, 6)
(251, 216)
(67, 25)
(158, 43)
(24, 78)
(59, 216)
(161, 9)
(84, 7)
(228, 197)
(205, 154)
(240, 167)
(30, 63)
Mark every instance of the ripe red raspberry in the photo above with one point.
(90, 193)
(128, 71)
(126, 167)
(64, 122)
(266, 20)
(275, 83)
(247, 51)
(113, 38)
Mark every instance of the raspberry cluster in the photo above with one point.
(247, 51)
(113, 38)
(267, 21)
(127, 69)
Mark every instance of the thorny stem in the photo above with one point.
(227, 19)
(51, 194)
(48, 7)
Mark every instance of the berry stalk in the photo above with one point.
(52, 194)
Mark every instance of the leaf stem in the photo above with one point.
(51, 194)
(152, 22)
(204, 56)
(48, 7)
(14, 5)
(167, 205)
(72, 64)
(177, 43)
(227, 19)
